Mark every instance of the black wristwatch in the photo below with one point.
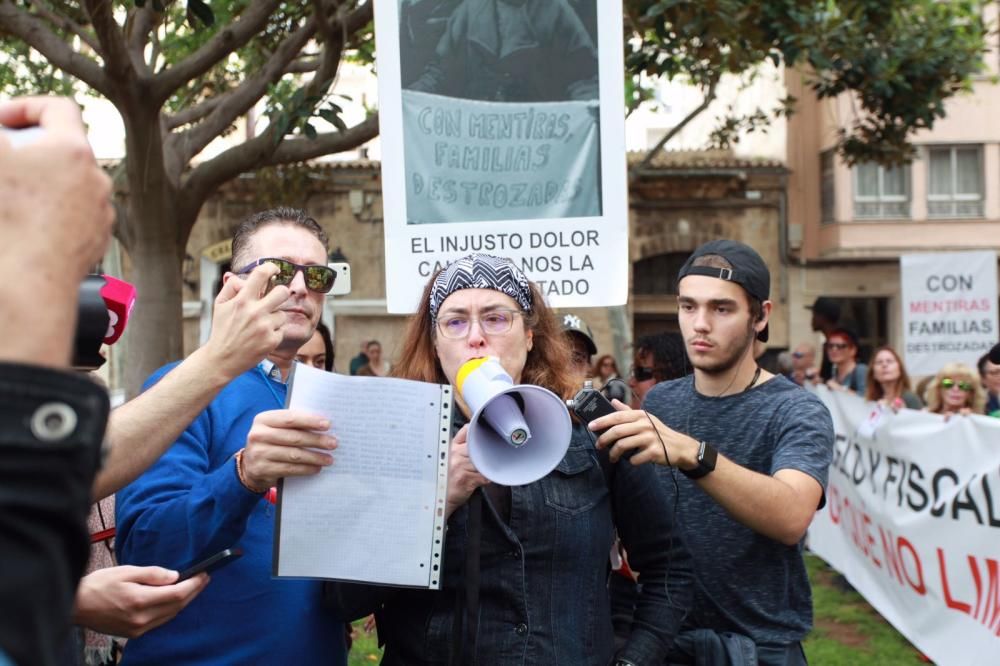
(707, 455)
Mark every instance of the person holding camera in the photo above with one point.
(210, 490)
(55, 223)
(749, 453)
(525, 567)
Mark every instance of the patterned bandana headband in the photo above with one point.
(481, 271)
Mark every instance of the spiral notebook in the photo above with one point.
(376, 515)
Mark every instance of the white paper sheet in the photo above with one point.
(376, 514)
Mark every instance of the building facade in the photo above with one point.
(848, 226)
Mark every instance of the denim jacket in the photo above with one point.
(543, 579)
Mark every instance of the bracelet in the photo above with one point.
(240, 475)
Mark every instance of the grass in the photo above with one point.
(365, 650)
(848, 632)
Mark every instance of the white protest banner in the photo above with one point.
(913, 522)
(503, 132)
(949, 308)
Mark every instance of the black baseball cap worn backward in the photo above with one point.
(748, 270)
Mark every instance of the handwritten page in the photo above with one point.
(376, 514)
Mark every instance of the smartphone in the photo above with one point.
(342, 283)
(212, 563)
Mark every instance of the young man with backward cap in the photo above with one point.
(749, 453)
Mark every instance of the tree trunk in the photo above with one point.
(154, 333)
(156, 229)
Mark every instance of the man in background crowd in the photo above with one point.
(361, 360)
(990, 372)
(825, 317)
(803, 363)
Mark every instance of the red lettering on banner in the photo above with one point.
(990, 609)
(919, 586)
(834, 504)
(870, 541)
(960, 606)
(891, 553)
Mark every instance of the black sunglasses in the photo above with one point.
(318, 278)
(641, 374)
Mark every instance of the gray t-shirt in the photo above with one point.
(746, 582)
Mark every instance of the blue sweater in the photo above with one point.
(189, 505)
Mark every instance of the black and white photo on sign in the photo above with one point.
(500, 109)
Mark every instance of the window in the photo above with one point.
(657, 275)
(881, 192)
(826, 190)
(955, 181)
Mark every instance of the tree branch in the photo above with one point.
(66, 23)
(138, 26)
(709, 98)
(192, 114)
(303, 65)
(117, 61)
(299, 150)
(227, 40)
(37, 35)
(242, 98)
(260, 151)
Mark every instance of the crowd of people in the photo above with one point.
(697, 491)
(955, 389)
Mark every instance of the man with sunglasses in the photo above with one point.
(214, 488)
(747, 456)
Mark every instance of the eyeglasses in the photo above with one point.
(948, 383)
(318, 278)
(641, 374)
(837, 345)
(494, 322)
(580, 358)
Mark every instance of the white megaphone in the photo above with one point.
(517, 434)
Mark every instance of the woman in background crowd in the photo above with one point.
(848, 374)
(955, 389)
(318, 352)
(605, 369)
(887, 382)
(376, 366)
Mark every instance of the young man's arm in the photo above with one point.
(246, 327)
(780, 506)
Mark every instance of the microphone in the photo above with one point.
(105, 305)
(119, 296)
(995, 354)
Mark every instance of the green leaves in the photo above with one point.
(899, 59)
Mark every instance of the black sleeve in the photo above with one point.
(644, 516)
(51, 428)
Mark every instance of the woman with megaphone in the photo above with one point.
(526, 552)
